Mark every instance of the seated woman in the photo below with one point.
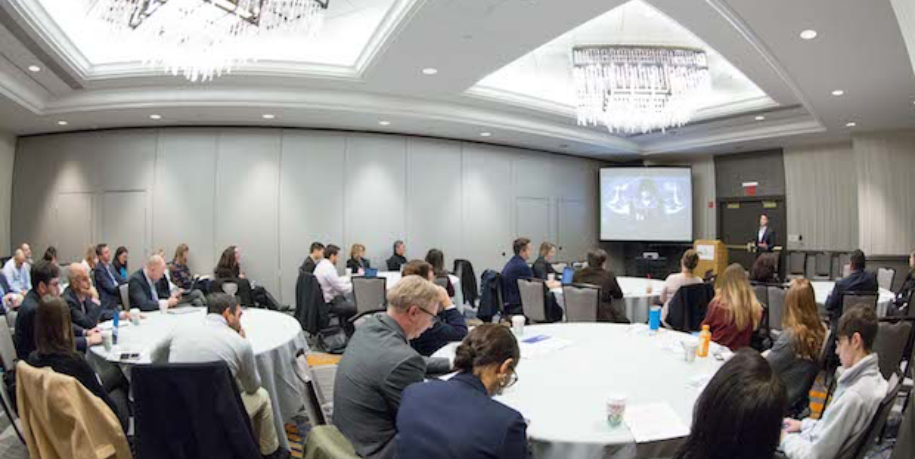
(449, 324)
(430, 411)
(56, 348)
(436, 258)
(734, 312)
(229, 270)
(686, 276)
(795, 354)
(51, 254)
(357, 261)
(739, 414)
(765, 268)
(908, 286)
(120, 263)
(178, 271)
(543, 266)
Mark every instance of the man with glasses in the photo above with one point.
(379, 364)
(45, 281)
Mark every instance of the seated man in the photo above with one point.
(314, 257)
(858, 394)
(8, 299)
(16, 272)
(517, 268)
(85, 308)
(448, 326)
(858, 281)
(379, 364)
(596, 274)
(399, 258)
(106, 280)
(337, 291)
(45, 281)
(221, 338)
(145, 290)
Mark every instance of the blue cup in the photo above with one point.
(654, 318)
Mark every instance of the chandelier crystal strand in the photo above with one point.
(638, 89)
(204, 39)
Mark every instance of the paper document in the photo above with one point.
(533, 347)
(183, 310)
(654, 422)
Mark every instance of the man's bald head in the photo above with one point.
(155, 268)
(79, 278)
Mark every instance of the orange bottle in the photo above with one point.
(705, 337)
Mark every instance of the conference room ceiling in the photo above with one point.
(504, 69)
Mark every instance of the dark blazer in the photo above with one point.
(768, 238)
(308, 265)
(542, 268)
(448, 326)
(515, 269)
(24, 339)
(610, 290)
(310, 309)
(377, 366)
(87, 313)
(908, 286)
(857, 281)
(106, 282)
(395, 262)
(355, 265)
(430, 411)
(140, 295)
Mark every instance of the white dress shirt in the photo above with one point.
(18, 278)
(331, 283)
(762, 232)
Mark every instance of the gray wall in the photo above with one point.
(273, 191)
(7, 157)
(764, 167)
(885, 163)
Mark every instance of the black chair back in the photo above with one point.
(688, 307)
(875, 427)
(776, 305)
(243, 292)
(310, 309)
(370, 294)
(463, 269)
(852, 299)
(890, 345)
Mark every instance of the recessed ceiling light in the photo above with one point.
(62, 123)
(430, 71)
(384, 123)
(760, 118)
(155, 117)
(851, 124)
(838, 92)
(268, 116)
(485, 134)
(34, 68)
(809, 34)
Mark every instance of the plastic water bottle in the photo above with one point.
(705, 337)
(114, 329)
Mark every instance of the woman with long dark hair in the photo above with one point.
(228, 267)
(120, 262)
(436, 258)
(739, 414)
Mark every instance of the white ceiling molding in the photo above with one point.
(905, 14)
(787, 128)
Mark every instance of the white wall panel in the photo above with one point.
(575, 230)
(434, 198)
(886, 192)
(7, 159)
(72, 231)
(124, 219)
(247, 197)
(487, 235)
(375, 195)
(532, 220)
(35, 189)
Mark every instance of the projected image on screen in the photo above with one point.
(646, 204)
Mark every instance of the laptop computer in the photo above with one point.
(567, 274)
(370, 273)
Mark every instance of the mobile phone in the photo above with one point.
(129, 356)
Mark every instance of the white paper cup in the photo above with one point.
(106, 340)
(689, 350)
(518, 325)
(163, 306)
(135, 316)
(616, 409)
(349, 271)
(551, 277)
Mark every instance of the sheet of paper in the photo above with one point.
(537, 346)
(706, 251)
(654, 422)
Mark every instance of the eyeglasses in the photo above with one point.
(512, 380)
(427, 312)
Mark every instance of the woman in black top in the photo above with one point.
(357, 261)
(543, 267)
(55, 348)
(436, 258)
(908, 285)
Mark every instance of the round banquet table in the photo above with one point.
(822, 289)
(393, 277)
(635, 296)
(275, 339)
(562, 393)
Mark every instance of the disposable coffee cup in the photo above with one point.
(689, 350)
(551, 277)
(518, 325)
(349, 271)
(163, 306)
(106, 340)
(616, 409)
(135, 316)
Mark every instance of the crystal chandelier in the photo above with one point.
(638, 89)
(202, 39)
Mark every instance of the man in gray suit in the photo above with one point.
(379, 364)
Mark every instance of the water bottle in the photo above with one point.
(705, 337)
(114, 329)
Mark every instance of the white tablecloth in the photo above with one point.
(563, 393)
(822, 289)
(393, 277)
(275, 339)
(635, 295)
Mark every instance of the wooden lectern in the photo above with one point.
(713, 255)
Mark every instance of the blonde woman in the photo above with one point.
(734, 312)
(357, 261)
(796, 352)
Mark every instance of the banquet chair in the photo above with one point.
(776, 295)
(893, 336)
(822, 266)
(905, 439)
(326, 442)
(885, 278)
(582, 302)
(8, 358)
(797, 261)
(312, 404)
(230, 288)
(441, 282)
(762, 293)
(851, 299)
(124, 290)
(369, 294)
(875, 428)
(533, 299)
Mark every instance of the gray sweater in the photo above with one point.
(858, 394)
